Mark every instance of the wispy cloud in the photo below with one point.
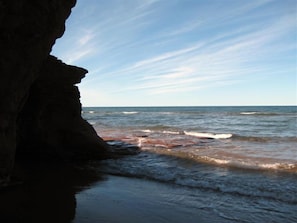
(185, 28)
(205, 64)
(166, 56)
(76, 55)
(153, 47)
(86, 38)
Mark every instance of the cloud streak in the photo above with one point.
(141, 47)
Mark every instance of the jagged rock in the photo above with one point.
(28, 30)
(50, 124)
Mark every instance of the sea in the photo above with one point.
(237, 163)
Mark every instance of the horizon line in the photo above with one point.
(166, 106)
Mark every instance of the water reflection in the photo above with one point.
(47, 194)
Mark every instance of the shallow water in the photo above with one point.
(121, 199)
(238, 163)
(83, 194)
(248, 137)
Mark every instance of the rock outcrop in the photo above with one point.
(35, 87)
(50, 125)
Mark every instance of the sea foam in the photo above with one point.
(209, 135)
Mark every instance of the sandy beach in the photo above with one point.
(121, 199)
(83, 194)
(80, 195)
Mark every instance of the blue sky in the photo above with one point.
(183, 52)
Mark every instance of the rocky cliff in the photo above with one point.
(50, 125)
(39, 102)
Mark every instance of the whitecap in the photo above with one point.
(146, 131)
(171, 132)
(248, 113)
(129, 113)
(276, 166)
(258, 113)
(248, 164)
(209, 135)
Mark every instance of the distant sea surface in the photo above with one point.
(243, 158)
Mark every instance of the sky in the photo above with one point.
(183, 52)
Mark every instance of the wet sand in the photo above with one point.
(81, 195)
(121, 199)
(46, 193)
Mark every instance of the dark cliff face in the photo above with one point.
(50, 125)
(35, 86)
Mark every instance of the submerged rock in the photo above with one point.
(119, 148)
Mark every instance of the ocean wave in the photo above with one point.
(252, 138)
(264, 139)
(129, 112)
(209, 135)
(203, 135)
(172, 132)
(259, 113)
(88, 112)
(252, 165)
(92, 122)
(167, 113)
(167, 132)
(233, 162)
(147, 131)
(158, 128)
(191, 133)
(248, 113)
(172, 169)
(91, 112)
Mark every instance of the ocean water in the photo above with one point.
(239, 163)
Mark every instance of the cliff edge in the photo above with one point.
(40, 111)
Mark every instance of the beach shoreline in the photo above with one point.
(126, 199)
(81, 194)
(84, 193)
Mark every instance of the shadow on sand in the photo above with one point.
(47, 193)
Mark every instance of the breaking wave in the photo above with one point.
(258, 113)
(209, 135)
(178, 170)
(130, 112)
(203, 135)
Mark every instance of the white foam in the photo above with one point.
(166, 113)
(130, 113)
(140, 140)
(270, 165)
(276, 166)
(91, 112)
(257, 113)
(209, 135)
(250, 164)
(235, 163)
(215, 160)
(248, 113)
(146, 131)
(171, 132)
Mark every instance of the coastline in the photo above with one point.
(81, 194)
(123, 199)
